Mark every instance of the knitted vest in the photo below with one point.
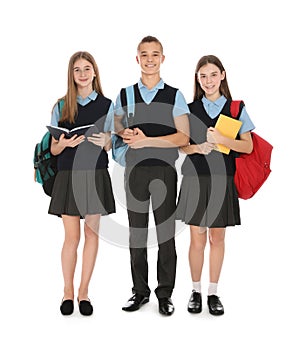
(86, 156)
(155, 119)
(215, 162)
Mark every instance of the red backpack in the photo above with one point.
(252, 169)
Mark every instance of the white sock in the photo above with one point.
(197, 286)
(212, 288)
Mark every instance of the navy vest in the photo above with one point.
(86, 156)
(154, 119)
(215, 162)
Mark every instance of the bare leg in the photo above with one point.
(196, 251)
(69, 253)
(90, 250)
(216, 256)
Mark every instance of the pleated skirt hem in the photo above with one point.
(208, 201)
(81, 193)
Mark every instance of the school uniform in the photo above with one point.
(82, 185)
(208, 197)
(150, 174)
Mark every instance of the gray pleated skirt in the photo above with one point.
(81, 193)
(208, 201)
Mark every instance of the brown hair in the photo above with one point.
(149, 39)
(224, 89)
(70, 109)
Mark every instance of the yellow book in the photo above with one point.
(229, 127)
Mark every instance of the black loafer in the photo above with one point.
(135, 302)
(214, 305)
(85, 307)
(165, 306)
(195, 303)
(67, 307)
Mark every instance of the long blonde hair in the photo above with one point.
(70, 108)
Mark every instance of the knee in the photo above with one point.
(198, 246)
(217, 237)
(89, 233)
(91, 225)
(198, 243)
(138, 256)
(138, 237)
(71, 241)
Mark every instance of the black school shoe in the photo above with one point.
(85, 307)
(214, 305)
(195, 303)
(165, 306)
(67, 307)
(135, 302)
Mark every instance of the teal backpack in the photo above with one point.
(45, 164)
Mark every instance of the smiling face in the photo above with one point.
(84, 74)
(210, 77)
(150, 57)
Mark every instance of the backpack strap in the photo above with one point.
(130, 104)
(130, 101)
(61, 103)
(236, 108)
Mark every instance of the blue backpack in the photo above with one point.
(119, 148)
(45, 164)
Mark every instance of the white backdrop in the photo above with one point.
(257, 43)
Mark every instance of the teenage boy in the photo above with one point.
(160, 125)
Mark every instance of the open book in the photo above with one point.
(56, 131)
(229, 127)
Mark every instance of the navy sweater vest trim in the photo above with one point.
(154, 119)
(86, 156)
(215, 162)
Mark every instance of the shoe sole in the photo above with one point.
(166, 314)
(86, 313)
(193, 311)
(216, 314)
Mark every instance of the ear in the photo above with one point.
(162, 58)
(137, 59)
(223, 74)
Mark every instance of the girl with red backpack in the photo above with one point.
(208, 199)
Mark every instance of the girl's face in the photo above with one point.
(83, 73)
(209, 77)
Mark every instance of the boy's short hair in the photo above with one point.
(148, 39)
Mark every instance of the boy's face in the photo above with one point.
(150, 57)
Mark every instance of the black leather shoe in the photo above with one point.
(195, 303)
(135, 302)
(67, 307)
(85, 307)
(165, 306)
(214, 305)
